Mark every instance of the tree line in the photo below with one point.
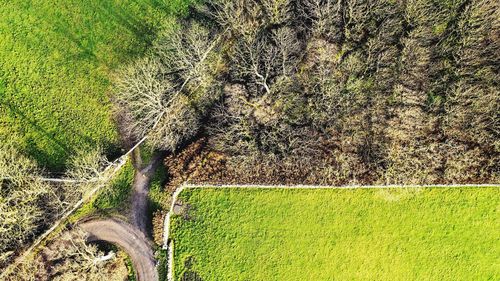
(327, 91)
(338, 92)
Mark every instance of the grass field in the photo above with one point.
(364, 234)
(56, 60)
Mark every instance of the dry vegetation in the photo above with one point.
(29, 204)
(327, 92)
(291, 91)
(374, 93)
(69, 257)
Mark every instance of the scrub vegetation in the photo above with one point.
(332, 234)
(331, 92)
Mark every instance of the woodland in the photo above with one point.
(325, 92)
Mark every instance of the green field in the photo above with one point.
(56, 61)
(364, 234)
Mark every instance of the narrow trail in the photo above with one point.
(140, 187)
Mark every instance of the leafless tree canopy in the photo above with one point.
(70, 258)
(29, 204)
(26, 202)
(338, 91)
(167, 93)
(375, 91)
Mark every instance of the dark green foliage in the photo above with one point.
(157, 195)
(131, 270)
(162, 258)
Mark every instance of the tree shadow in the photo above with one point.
(127, 20)
(86, 47)
(38, 128)
(160, 5)
(63, 147)
(118, 20)
(189, 274)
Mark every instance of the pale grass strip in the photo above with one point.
(170, 272)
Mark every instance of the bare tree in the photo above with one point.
(242, 17)
(188, 57)
(28, 202)
(165, 95)
(178, 125)
(70, 258)
(277, 11)
(142, 92)
(326, 17)
(21, 200)
(375, 89)
(266, 58)
(87, 165)
(86, 169)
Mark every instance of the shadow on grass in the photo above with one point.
(38, 155)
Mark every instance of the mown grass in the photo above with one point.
(389, 234)
(57, 58)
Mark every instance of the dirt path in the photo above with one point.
(142, 180)
(130, 239)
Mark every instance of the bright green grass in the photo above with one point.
(56, 61)
(397, 234)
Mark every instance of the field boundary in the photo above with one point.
(169, 245)
(307, 186)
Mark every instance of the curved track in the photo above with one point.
(130, 239)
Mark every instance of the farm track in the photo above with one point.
(132, 238)
(128, 238)
(140, 187)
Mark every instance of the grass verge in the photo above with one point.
(332, 234)
(112, 199)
